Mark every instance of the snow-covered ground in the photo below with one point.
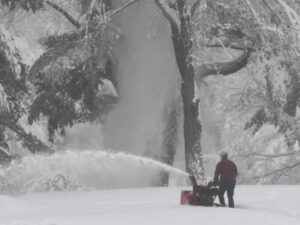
(255, 205)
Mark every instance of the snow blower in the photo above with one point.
(202, 195)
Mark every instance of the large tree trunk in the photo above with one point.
(293, 95)
(179, 15)
(192, 129)
(182, 43)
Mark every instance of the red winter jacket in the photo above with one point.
(226, 170)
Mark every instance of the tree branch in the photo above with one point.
(194, 7)
(125, 5)
(65, 13)
(268, 156)
(169, 13)
(223, 68)
(33, 144)
(225, 42)
(268, 6)
(280, 170)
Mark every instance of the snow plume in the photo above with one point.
(147, 78)
(82, 171)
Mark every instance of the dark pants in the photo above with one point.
(227, 186)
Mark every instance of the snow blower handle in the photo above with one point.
(213, 183)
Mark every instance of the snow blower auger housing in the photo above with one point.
(200, 195)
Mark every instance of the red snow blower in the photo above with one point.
(201, 195)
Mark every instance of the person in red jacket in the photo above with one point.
(225, 175)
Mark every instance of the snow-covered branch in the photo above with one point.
(290, 12)
(195, 6)
(170, 14)
(33, 144)
(225, 68)
(64, 13)
(76, 23)
(225, 42)
(279, 171)
(121, 8)
(271, 156)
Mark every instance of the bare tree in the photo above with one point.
(180, 14)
